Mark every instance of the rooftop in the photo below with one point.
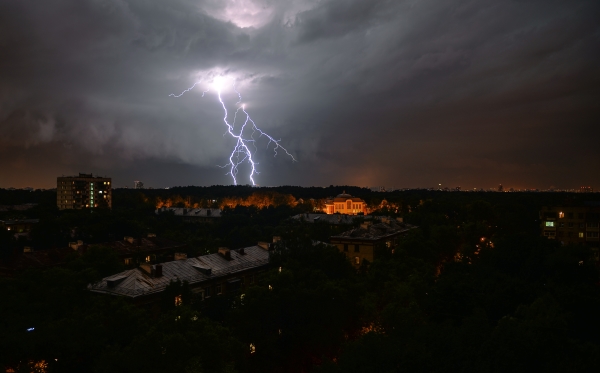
(191, 212)
(377, 230)
(136, 282)
(329, 218)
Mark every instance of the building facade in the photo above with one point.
(345, 204)
(83, 191)
(572, 225)
(364, 242)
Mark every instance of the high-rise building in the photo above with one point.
(572, 224)
(83, 191)
(586, 189)
(500, 188)
(138, 185)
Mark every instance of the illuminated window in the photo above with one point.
(356, 260)
(270, 287)
(252, 348)
(127, 261)
(279, 269)
(561, 215)
(580, 234)
(388, 244)
(549, 224)
(148, 258)
(178, 300)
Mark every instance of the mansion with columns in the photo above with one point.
(345, 204)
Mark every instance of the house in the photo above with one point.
(211, 275)
(192, 215)
(363, 243)
(345, 204)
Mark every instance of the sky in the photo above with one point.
(382, 92)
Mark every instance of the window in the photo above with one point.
(127, 261)
(561, 215)
(570, 234)
(570, 215)
(570, 225)
(580, 234)
(549, 224)
(345, 247)
(251, 279)
(592, 234)
(148, 259)
(219, 288)
(388, 244)
(580, 225)
(592, 225)
(178, 300)
(207, 291)
(349, 205)
(356, 248)
(580, 215)
(356, 260)
(562, 225)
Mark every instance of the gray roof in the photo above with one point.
(191, 212)
(135, 282)
(376, 231)
(329, 218)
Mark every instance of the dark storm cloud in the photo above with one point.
(405, 93)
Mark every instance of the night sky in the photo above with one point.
(395, 93)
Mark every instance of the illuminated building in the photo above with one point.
(371, 238)
(83, 191)
(345, 204)
(227, 271)
(586, 189)
(572, 224)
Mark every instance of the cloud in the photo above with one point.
(399, 92)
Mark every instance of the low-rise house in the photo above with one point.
(362, 243)
(208, 275)
(18, 225)
(192, 215)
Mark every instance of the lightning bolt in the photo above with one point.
(241, 152)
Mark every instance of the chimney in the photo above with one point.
(241, 251)
(157, 270)
(225, 253)
(146, 267)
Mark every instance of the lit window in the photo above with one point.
(580, 234)
(561, 215)
(178, 300)
(356, 260)
(127, 261)
(270, 287)
(279, 269)
(549, 224)
(252, 348)
(148, 258)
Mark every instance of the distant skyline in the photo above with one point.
(393, 93)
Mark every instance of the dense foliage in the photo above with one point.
(474, 289)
